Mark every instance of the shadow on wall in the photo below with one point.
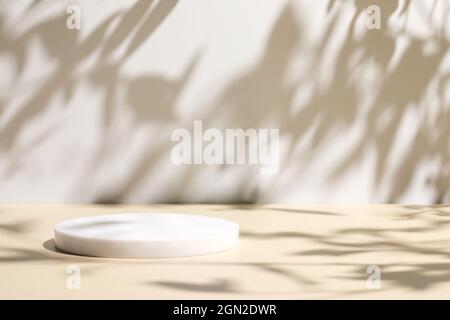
(263, 94)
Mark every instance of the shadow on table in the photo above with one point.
(428, 263)
(30, 255)
(232, 285)
(50, 254)
(217, 285)
(427, 267)
(259, 206)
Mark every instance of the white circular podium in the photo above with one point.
(146, 235)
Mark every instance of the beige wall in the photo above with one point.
(87, 115)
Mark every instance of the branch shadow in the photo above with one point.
(261, 96)
(215, 286)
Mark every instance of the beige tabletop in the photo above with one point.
(285, 252)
